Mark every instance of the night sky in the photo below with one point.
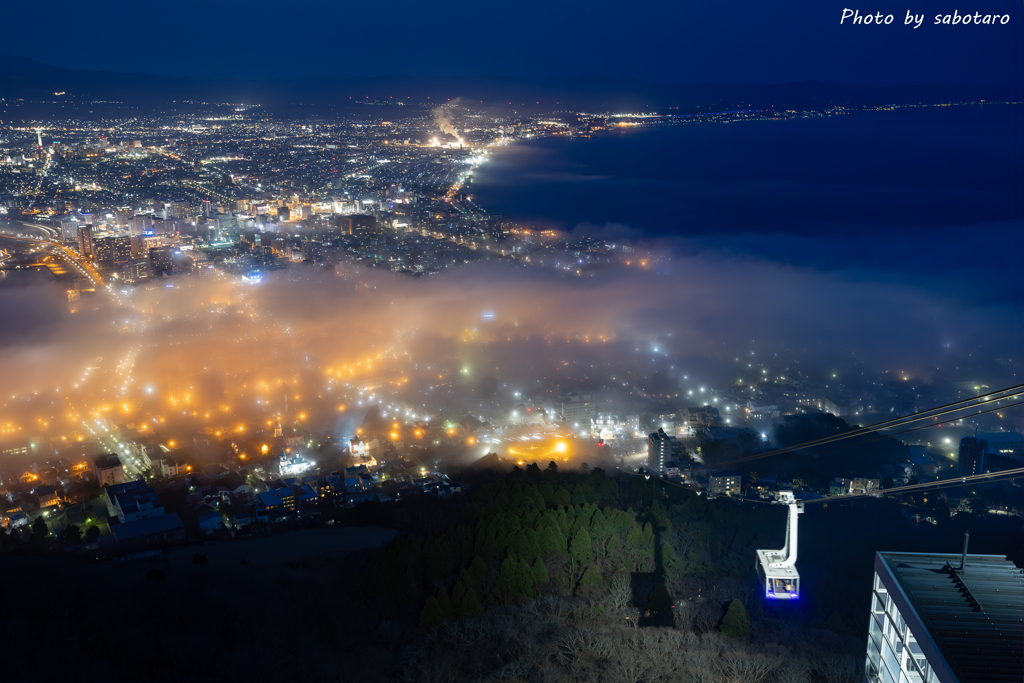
(727, 41)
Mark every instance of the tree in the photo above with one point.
(92, 532)
(39, 529)
(540, 572)
(671, 562)
(515, 581)
(71, 536)
(437, 559)
(443, 603)
(464, 597)
(494, 544)
(577, 496)
(524, 545)
(478, 572)
(431, 614)
(591, 577)
(736, 624)
(613, 546)
(620, 589)
(561, 497)
(527, 579)
(580, 549)
(552, 540)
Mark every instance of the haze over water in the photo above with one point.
(930, 197)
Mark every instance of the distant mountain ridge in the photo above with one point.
(28, 79)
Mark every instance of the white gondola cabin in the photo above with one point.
(777, 568)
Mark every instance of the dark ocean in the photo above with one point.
(933, 195)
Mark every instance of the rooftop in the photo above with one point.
(974, 616)
(144, 527)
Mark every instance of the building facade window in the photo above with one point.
(894, 655)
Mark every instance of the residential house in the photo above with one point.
(133, 501)
(108, 469)
(211, 523)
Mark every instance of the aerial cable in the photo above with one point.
(899, 422)
(990, 477)
(893, 424)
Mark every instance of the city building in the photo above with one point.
(276, 499)
(1008, 444)
(112, 250)
(699, 416)
(151, 531)
(633, 424)
(132, 501)
(605, 426)
(358, 224)
(161, 260)
(945, 618)
(49, 495)
(122, 249)
(659, 450)
(971, 457)
(725, 484)
(108, 470)
(856, 484)
(135, 270)
(164, 465)
(577, 408)
(85, 243)
(291, 465)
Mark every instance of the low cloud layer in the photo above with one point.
(220, 355)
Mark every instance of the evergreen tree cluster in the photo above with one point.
(544, 531)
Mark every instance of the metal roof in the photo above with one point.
(975, 616)
(144, 527)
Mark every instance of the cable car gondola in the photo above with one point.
(777, 568)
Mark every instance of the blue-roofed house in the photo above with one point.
(306, 495)
(149, 531)
(211, 522)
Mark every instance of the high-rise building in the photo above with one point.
(140, 225)
(578, 408)
(135, 270)
(313, 250)
(108, 469)
(971, 458)
(112, 249)
(85, 243)
(122, 249)
(179, 208)
(68, 228)
(104, 249)
(125, 216)
(945, 618)
(161, 260)
(659, 450)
